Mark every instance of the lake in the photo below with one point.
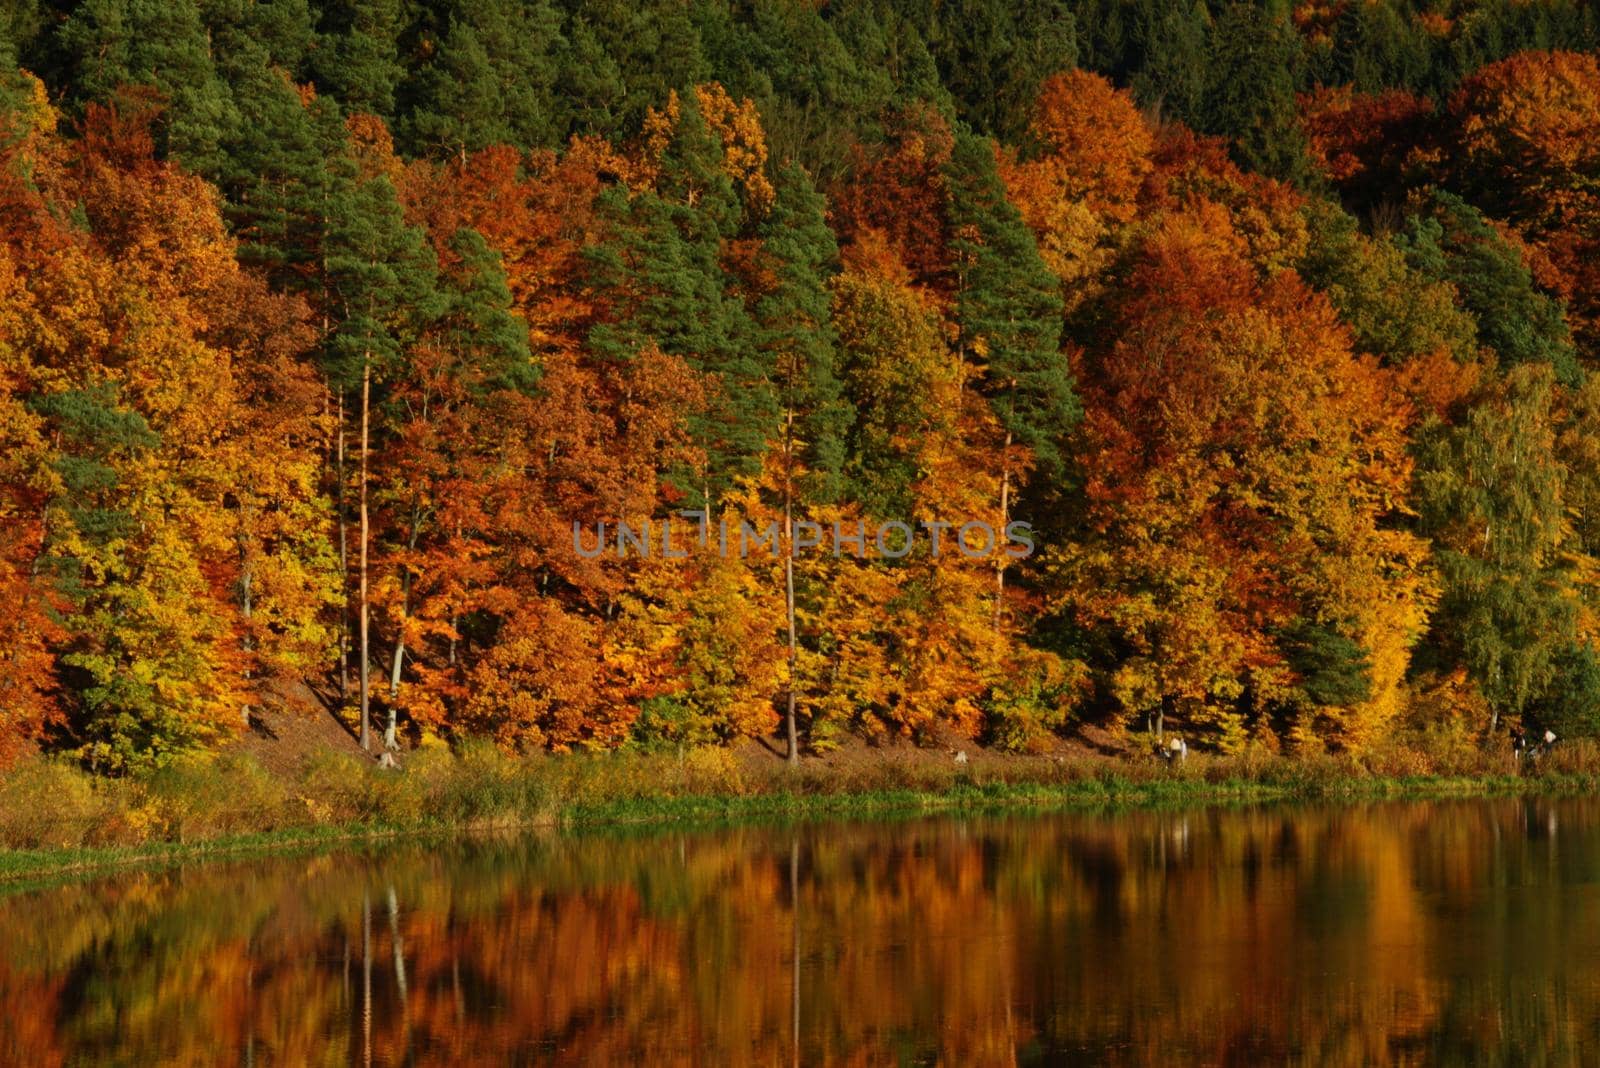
(1401, 933)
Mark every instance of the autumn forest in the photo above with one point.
(324, 325)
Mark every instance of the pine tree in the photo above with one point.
(794, 322)
(992, 57)
(478, 319)
(490, 79)
(1174, 76)
(277, 179)
(593, 93)
(1452, 242)
(654, 48)
(1008, 310)
(1250, 96)
(109, 44)
(384, 278)
(795, 327)
(815, 98)
(358, 59)
(662, 276)
(1376, 48)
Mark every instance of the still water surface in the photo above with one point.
(1390, 934)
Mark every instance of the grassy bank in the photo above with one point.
(56, 818)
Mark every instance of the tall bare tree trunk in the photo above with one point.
(788, 580)
(249, 643)
(455, 617)
(344, 564)
(366, 666)
(1005, 519)
(391, 728)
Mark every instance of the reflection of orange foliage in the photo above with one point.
(1348, 936)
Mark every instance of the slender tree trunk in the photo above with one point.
(788, 581)
(390, 730)
(366, 665)
(344, 563)
(455, 617)
(392, 727)
(249, 643)
(246, 583)
(999, 554)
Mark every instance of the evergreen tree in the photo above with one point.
(992, 57)
(816, 99)
(477, 318)
(489, 79)
(592, 89)
(1106, 37)
(662, 272)
(653, 48)
(105, 45)
(1454, 243)
(384, 281)
(1375, 48)
(358, 59)
(1176, 40)
(794, 324)
(20, 24)
(1008, 310)
(1250, 98)
(277, 178)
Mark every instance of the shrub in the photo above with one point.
(1034, 700)
(201, 797)
(50, 803)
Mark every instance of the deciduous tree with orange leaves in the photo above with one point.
(1243, 467)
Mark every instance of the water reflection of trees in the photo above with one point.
(1393, 934)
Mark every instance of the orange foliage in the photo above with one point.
(1241, 463)
(1080, 192)
(897, 189)
(1527, 132)
(1369, 144)
(744, 145)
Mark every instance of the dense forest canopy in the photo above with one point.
(323, 324)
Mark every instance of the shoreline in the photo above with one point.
(25, 868)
